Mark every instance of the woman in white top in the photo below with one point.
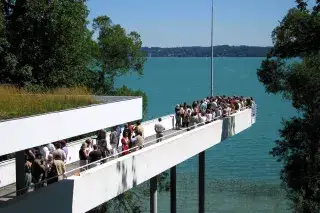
(213, 114)
(227, 111)
(218, 112)
(51, 147)
(208, 116)
(240, 106)
(89, 145)
(193, 120)
(202, 118)
(44, 152)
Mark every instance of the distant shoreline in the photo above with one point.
(207, 57)
(218, 51)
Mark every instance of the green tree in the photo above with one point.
(118, 53)
(292, 69)
(48, 43)
(125, 91)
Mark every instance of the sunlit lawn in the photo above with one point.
(19, 103)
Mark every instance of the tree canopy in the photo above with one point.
(292, 69)
(46, 44)
(117, 52)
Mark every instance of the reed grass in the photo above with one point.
(16, 102)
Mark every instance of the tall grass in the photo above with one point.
(16, 102)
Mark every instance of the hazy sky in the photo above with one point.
(168, 23)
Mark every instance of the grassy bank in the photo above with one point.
(16, 103)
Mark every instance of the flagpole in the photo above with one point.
(202, 155)
(212, 49)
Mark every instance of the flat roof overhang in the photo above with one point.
(26, 132)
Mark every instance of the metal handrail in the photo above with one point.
(119, 153)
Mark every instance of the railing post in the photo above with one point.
(201, 181)
(20, 172)
(153, 194)
(173, 189)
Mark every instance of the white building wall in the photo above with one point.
(38, 130)
(7, 172)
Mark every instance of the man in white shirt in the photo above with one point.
(204, 106)
(218, 112)
(44, 151)
(159, 129)
(51, 147)
(214, 105)
(209, 116)
(114, 140)
(202, 118)
(194, 120)
(59, 152)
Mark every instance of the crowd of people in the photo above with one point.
(132, 139)
(47, 164)
(209, 109)
(186, 116)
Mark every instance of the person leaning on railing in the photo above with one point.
(138, 140)
(89, 145)
(94, 157)
(194, 120)
(209, 115)
(114, 140)
(38, 171)
(102, 143)
(28, 176)
(125, 141)
(83, 157)
(140, 128)
(51, 170)
(59, 151)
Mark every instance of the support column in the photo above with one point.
(20, 172)
(173, 190)
(201, 181)
(153, 194)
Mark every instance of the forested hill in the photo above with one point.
(219, 51)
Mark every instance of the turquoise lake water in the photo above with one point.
(241, 177)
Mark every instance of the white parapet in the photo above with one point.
(8, 168)
(24, 133)
(115, 177)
